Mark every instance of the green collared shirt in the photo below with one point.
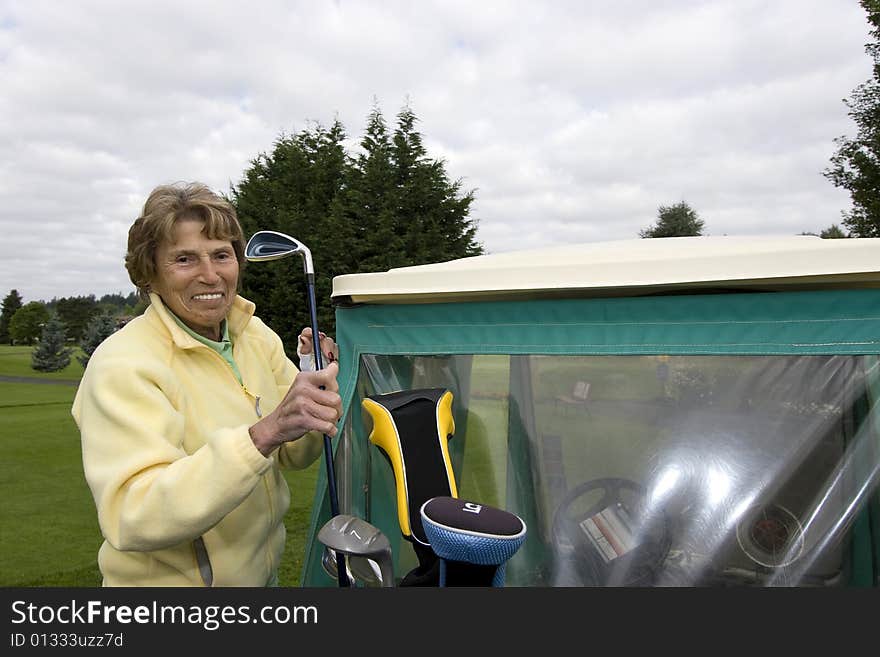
(224, 347)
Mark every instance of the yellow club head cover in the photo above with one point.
(412, 428)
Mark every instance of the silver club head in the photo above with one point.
(359, 569)
(268, 245)
(364, 545)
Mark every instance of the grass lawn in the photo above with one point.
(49, 533)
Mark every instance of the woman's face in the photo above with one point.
(196, 277)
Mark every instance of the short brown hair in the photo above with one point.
(168, 204)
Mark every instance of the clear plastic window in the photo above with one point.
(652, 470)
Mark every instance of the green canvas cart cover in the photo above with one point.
(661, 412)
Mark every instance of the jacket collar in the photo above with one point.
(239, 315)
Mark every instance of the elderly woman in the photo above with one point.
(188, 413)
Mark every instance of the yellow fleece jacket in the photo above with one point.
(168, 458)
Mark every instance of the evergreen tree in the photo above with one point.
(138, 307)
(98, 329)
(75, 313)
(390, 206)
(856, 164)
(116, 304)
(432, 212)
(678, 220)
(294, 190)
(369, 205)
(52, 353)
(26, 324)
(833, 232)
(11, 304)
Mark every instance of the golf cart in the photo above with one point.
(696, 411)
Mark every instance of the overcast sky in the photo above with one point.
(572, 121)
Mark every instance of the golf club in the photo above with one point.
(268, 245)
(366, 546)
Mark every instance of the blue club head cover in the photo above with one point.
(474, 541)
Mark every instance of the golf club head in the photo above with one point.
(360, 569)
(268, 245)
(362, 543)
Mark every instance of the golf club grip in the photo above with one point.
(328, 446)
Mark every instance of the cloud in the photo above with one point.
(572, 121)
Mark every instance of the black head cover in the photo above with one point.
(475, 540)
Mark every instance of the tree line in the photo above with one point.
(53, 326)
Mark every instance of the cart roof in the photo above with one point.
(628, 268)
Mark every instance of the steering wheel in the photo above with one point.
(616, 541)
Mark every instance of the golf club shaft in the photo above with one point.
(328, 447)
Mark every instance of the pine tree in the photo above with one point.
(97, 330)
(294, 190)
(390, 206)
(51, 353)
(432, 213)
(678, 220)
(11, 304)
(75, 312)
(369, 202)
(833, 232)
